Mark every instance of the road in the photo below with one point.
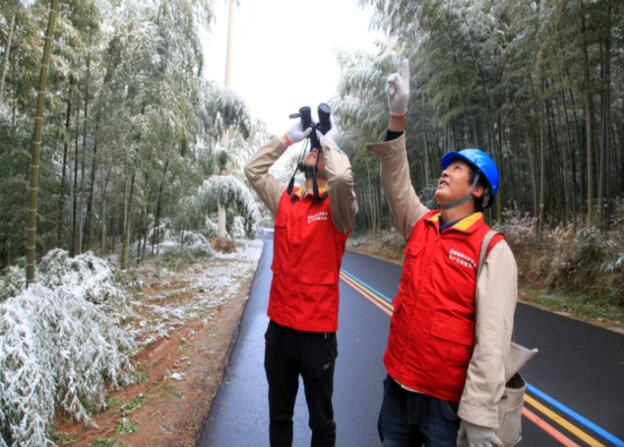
(576, 394)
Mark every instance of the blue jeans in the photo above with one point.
(409, 419)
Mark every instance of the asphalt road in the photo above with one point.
(577, 379)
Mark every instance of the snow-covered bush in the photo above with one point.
(518, 227)
(233, 193)
(12, 282)
(61, 341)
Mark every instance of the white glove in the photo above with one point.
(331, 134)
(398, 90)
(473, 435)
(296, 133)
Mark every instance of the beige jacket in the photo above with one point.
(342, 203)
(496, 294)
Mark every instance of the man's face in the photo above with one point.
(310, 160)
(454, 183)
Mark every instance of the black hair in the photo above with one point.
(479, 202)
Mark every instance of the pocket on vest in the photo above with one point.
(454, 338)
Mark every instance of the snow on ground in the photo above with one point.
(209, 288)
(64, 337)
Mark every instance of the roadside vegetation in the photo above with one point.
(577, 271)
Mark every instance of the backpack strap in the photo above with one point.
(484, 245)
(518, 354)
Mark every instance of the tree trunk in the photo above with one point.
(89, 216)
(75, 245)
(155, 238)
(61, 202)
(605, 102)
(36, 148)
(540, 214)
(126, 233)
(84, 152)
(7, 53)
(588, 122)
(103, 211)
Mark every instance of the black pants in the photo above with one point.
(289, 353)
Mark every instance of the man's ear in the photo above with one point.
(478, 191)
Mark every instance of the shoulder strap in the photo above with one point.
(486, 242)
(518, 354)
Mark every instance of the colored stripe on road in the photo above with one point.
(552, 431)
(563, 422)
(384, 303)
(367, 293)
(574, 415)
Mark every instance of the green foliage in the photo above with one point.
(491, 74)
(222, 159)
(134, 404)
(126, 426)
(106, 442)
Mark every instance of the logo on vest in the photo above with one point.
(323, 215)
(461, 259)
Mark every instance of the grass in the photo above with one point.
(62, 438)
(577, 304)
(105, 442)
(581, 303)
(125, 426)
(134, 404)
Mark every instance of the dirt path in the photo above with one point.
(178, 375)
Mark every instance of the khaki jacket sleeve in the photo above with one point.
(268, 188)
(342, 202)
(497, 294)
(395, 179)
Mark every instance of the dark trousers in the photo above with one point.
(288, 354)
(409, 419)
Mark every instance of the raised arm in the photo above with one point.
(342, 203)
(257, 168)
(268, 188)
(395, 176)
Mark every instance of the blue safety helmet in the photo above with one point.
(482, 162)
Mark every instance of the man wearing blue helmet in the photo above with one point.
(451, 327)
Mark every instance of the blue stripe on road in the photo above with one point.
(368, 286)
(573, 414)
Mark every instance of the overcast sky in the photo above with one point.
(284, 52)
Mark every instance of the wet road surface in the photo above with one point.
(576, 394)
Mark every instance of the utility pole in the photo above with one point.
(225, 139)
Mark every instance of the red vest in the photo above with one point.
(432, 328)
(307, 254)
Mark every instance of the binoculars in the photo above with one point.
(324, 124)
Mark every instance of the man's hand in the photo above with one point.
(398, 90)
(296, 133)
(473, 435)
(332, 134)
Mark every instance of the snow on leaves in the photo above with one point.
(60, 341)
(230, 191)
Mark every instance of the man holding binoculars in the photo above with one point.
(312, 224)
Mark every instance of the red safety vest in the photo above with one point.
(432, 328)
(307, 254)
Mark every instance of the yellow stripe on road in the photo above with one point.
(368, 294)
(387, 308)
(563, 422)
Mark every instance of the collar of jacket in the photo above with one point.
(468, 224)
(302, 192)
